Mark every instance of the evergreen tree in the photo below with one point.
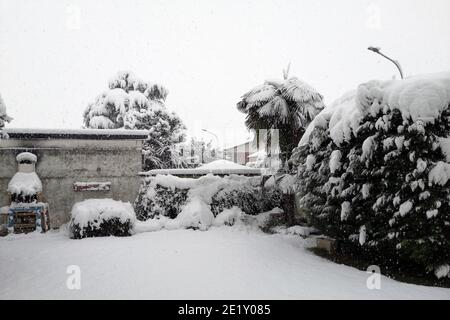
(131, 103)
(376, 194)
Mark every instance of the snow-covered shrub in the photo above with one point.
(168, 196)
(156, 200)
(131, 103)
(379, 182)
(228, 217)
(196, 214)
(101, 217)
(246, 197)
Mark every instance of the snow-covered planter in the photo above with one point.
(101, 217)
(373, 173)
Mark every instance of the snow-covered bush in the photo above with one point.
(373, 172)
(100, 218)
(155, 200)
(246, 197)
(228, 217)
(131, 103)
(168, 196)
(3, 118)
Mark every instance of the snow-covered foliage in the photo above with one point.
(380, 179)
(101, 217)
(166, 196)
(440, 174)
(131, 103)
(288, 105)
(3, 118)
(417, 98)
(228, 217)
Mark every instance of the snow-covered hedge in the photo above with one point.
(101, 217)
(249, 198)
(174, 197)
(373, 172)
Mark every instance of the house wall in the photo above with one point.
(239, 154)
(63, 162)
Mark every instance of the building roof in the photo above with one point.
(91, 134)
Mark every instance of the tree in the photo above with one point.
(288, 105)
(131, 103)
(3, 118)
(383, 193)
(197, 151)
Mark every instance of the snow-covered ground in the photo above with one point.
(221, 263)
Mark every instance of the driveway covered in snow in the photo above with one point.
(222, 263)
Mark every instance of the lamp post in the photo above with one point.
(397, 64)
(217, 139)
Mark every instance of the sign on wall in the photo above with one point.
(91, 186)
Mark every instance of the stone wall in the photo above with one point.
(63, 162)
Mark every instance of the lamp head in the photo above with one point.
(374, 49)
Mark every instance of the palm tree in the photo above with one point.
(288, 105)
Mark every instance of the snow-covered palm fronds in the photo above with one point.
(280, 100)
(289, 105)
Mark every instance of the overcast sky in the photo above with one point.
(56, 56)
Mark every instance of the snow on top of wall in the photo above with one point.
(204, 171)
(421, 97)
(95, 211)
(27, 183)
(67, 133)
(222, 164)
(26, 156)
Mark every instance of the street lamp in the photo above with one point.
(397, 64)
(217, 139)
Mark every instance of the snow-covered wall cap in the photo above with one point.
(419, 98)
(92, 134)
(26, 156)
(200, 171)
